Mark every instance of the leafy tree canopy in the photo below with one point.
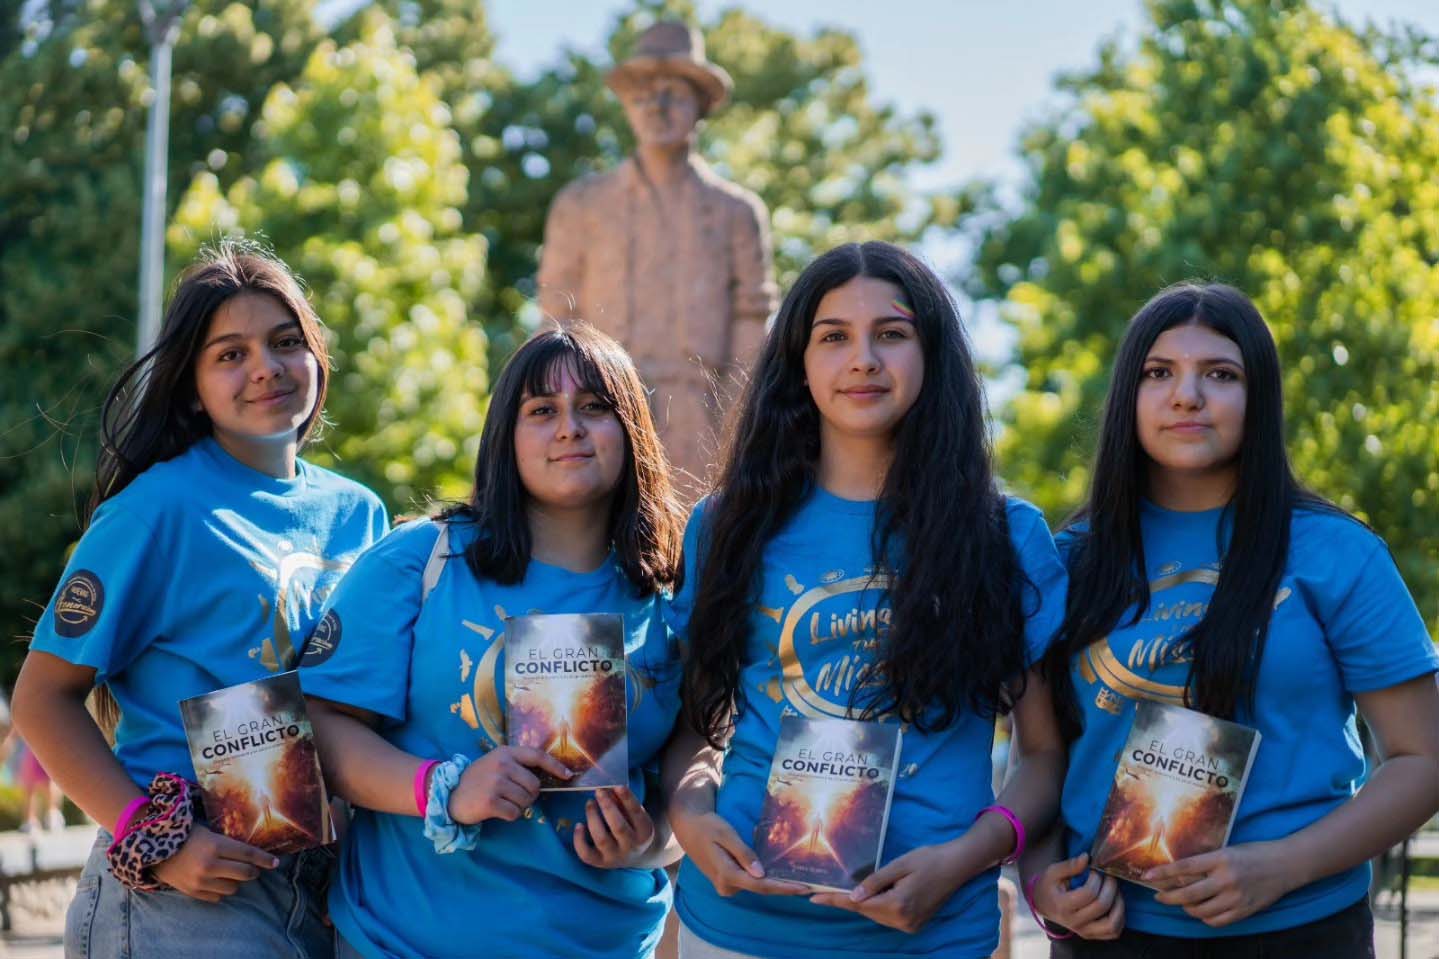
(74, 88)
(359, 185)
(1265, 144)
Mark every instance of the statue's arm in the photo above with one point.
(562, 258)
(753, 293)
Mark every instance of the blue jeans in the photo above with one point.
(279, 915)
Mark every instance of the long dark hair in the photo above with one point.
(153, 412)
(646, 526)
(956, 638)
(1106, 568)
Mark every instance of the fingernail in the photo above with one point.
(756, 870)
(568, 772)
(274, 862)
(858, 894)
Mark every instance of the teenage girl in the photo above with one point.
(858, 560)
(204, 563)
(1203, 574)
(454, 851)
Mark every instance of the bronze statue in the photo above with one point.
(662, 253)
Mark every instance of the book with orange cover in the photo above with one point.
(826, 807)
(1176, 790)
(565, 694)
(255, 760)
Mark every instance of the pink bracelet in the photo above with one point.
(122, 824)
(422, 795)
(1038, 919)
(1018, 831)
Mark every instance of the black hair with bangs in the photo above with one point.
(645, 521)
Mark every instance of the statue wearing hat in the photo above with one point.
(662, 253)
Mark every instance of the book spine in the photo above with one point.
(889, 795)
(1243, 784)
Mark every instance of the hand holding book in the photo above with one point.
(502, 784)
(1092, 910)
(617, 831)
(211, 866)
(716, 849)
(907, 892)
(1226, 885)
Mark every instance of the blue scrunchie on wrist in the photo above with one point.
(448, 835)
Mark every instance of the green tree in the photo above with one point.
(359, 186)
(451, 43)
(803, 130)
(73, 91)
(1265, 144)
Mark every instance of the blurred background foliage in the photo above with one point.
(406, 176)
(1262, 144)
(403, 174)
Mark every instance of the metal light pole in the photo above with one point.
(162, 28)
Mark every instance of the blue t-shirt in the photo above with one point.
(433, 670)
(201, 574)
(821, 615)
(1343, 623)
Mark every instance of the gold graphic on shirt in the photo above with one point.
(1107, 701)
(771, 688)
(1099, 661)
(479, 708)
(1128, 680)
(860, 627)
(792, 584)
(466, 711)
(1204, 574)
(772, 613)
(277, 652)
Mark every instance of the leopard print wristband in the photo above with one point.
(154, 835)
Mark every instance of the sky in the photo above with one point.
(982, 67)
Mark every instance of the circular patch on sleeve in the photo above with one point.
(79, 605)
(323, 641)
